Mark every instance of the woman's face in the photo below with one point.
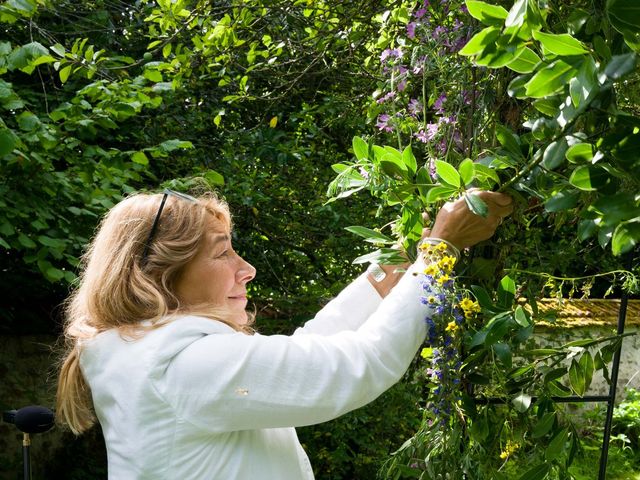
(217, 276)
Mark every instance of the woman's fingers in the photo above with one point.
(458, 225)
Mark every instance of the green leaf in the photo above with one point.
(409, 160)
(550, 79)
(480, 428)
(480, 41)
(174, 144)
(621, 65)
(7, 141)
(484, 173)
(588, 178)
(525, 62)
(448, 174)
(140, 158)
(26, 241)
(585, 85)
(577, 378)
(152, 75)
(580, 153)
(503, 353)
(64, 73)
(624, 15)
(544, 425)
(587, 365)
(51, 242)
(556, 445)
(360, 148)
(554, 154)
(586, 229)
(521, 402)
(494, 56)
(369, 235)
(476, 204)
(214, 178)
(547, 106)
(560, 44)
(506, 291)
(625, 237)
(563, 200)
(521, 317)
(516, 15)
(508, 140)
(466, 171)
(487, 13)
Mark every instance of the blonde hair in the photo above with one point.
(119, 289)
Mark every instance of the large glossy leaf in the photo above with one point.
(550, 79)
(584, 86)
(554, 154)
(467, 171)
(448, 174)
(544, 425)
(588, 177)
(516, 15)
(480, 41)
(624, 15)
(556, 445)
(580, 153)
(577, 378)
(525, 62)
(625, 237)
(563, 200)
(360, 148)
(560, 44)
(506, 291)
(487, 13)
(621, 65)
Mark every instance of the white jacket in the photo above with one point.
(197, 400)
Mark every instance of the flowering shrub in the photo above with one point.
(450, 100)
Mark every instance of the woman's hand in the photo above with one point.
(458, 225)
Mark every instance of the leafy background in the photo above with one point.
(262, 99)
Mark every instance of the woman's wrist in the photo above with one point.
(429, 245)
(385, 277)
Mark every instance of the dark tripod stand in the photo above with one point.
(32, 419)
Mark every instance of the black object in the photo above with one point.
(31, 419)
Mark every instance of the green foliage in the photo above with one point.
(554, 135)
(626, 419)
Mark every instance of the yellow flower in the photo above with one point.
(446, 263)
(441, 247)
(469, 307)
(431, 300)
(466, 303)
(452, 327)
(509, 449)
(431, 270)
(443, 279)
(426, 352)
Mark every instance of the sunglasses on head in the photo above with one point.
(154, 227)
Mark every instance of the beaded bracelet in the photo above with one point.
(428, 242)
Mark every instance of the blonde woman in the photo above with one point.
(162, 352)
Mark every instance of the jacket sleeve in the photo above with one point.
(229, 382)
(347, 311)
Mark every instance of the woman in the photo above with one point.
(161, 348)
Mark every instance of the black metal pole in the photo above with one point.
(26, 458)
(622, 314)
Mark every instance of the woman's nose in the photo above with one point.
(246, 272)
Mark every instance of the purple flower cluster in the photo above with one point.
(408, 101)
